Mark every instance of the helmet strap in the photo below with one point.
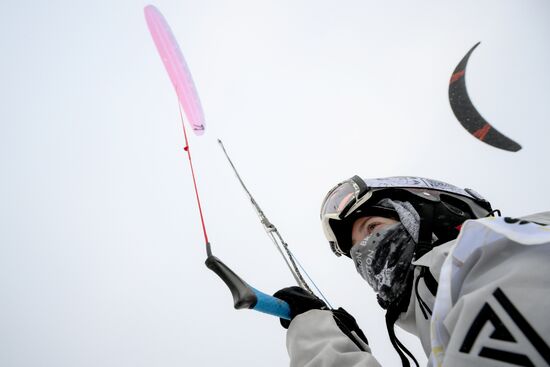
(425, 232)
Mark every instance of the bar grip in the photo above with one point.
(245, 296)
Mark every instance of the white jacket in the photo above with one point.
(490, 308)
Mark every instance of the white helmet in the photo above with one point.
(442, 208)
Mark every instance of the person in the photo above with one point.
(471, 285)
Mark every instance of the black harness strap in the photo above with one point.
(391, 317)
(430, 281)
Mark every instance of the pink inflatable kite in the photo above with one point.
(176, 67)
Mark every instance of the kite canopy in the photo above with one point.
(176, 67)
(467, 114)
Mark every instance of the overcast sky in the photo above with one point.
(101, 251)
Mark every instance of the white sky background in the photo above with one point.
(101, 248)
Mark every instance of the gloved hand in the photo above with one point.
(299, 301)
(349, 326)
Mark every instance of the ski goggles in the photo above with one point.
(341, 201)
(342, 197)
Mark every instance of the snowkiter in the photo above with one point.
(474, 287)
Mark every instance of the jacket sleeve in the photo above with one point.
(314, 339)
(499, 312)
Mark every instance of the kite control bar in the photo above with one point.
(245, 296)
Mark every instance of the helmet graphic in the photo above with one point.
(442, 208)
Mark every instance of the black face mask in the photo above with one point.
(384, 260)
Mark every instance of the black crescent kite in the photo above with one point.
(467, 114)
